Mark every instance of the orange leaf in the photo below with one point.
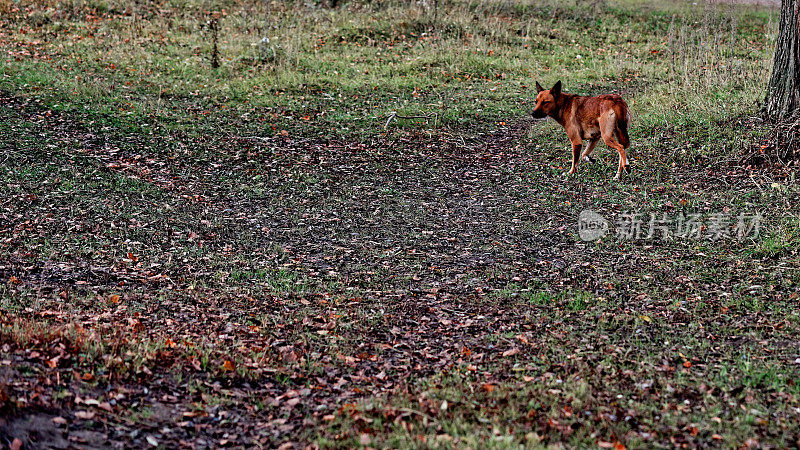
(136, 326)
(228, 366)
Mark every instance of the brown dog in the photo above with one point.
(590, 118)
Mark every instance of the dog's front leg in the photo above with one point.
(576, 156)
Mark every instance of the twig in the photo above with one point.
(394, 115)
(256, 138)
(757, 185)
(213, 25)
(414, 411)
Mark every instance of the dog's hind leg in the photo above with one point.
(622, 135)
(586, 153)
(610, 141)
(623, 158)
(625, 143)
(608, 130)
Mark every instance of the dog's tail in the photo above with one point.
(622, 129)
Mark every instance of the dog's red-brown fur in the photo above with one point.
(587, 118)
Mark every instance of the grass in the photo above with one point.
(442, 412)
(349, 68)
(251, 255)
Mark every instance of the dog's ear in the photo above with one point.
(539, 87)
(556, 89)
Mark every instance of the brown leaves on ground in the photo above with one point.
(362, 274)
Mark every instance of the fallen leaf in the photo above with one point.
(106, 406)
(136, 326)
(85, 415)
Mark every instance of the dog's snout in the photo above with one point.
(537, 114)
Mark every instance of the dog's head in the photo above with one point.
(546, 101)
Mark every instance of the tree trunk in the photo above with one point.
(783, 91)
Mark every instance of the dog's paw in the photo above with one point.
(589, 159)
(616, 177)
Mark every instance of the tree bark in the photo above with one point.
(783, 91)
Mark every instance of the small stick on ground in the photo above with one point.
(394, 115)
